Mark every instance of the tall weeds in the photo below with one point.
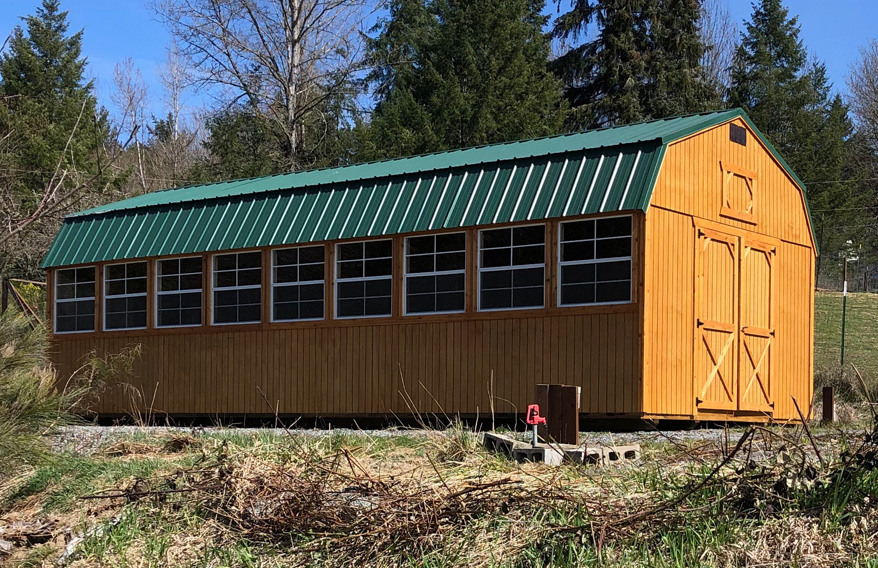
(33, 403)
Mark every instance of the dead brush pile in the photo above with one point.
(805, 501)
(343, 503)
(771, 497)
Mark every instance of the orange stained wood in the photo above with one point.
(397, 368)
(728, 299)
(720, 326)
(716, 320)
(693, 176)
(757, 326)
(400, 364)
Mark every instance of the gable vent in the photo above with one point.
(738, 134)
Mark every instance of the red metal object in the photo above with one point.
(533, 415)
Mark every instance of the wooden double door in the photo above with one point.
(734, 328)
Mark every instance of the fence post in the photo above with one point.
(828, 405)
(5, 302)
(844, 309)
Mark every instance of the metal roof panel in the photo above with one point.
(605, 170)
(657, 130)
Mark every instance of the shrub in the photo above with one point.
(33, 405)
(847, 384)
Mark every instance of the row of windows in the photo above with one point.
(594, 262)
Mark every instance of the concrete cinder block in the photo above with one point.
(501, 444)
(613, 454)
(549, 456)
(555, 454)
(586, 455)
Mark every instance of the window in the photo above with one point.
(125, 296)
(738, 134)
(595, 261)
(435, 273)
(512, 267)
(237, 288)
(297, 283)
(364, 279)
(178, 292)
(75, 300)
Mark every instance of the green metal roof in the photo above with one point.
(611, 169)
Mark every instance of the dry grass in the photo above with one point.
(760, 497)
(34, 401)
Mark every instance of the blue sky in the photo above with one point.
(127, 28)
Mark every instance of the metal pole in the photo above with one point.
(844, 308)
(4, 303)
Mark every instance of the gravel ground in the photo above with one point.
(88, 439)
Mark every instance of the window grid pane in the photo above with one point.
(364, 279)
(179, 292)
(237, 288)
(125, 296)
(512, 268)
(298, 283)
(75, 300)
(435, 273)
(594, 261)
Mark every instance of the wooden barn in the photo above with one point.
(666, 267)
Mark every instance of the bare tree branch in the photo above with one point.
(130, 97)
(285, 57)
(719, 34)
(863, 85)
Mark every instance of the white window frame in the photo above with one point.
(596, 261)
(482, 269)
(406, 273)
(107, 296)
(363, 278)
(274, 284)
(213, 287)
(160, 292)
(57, 300)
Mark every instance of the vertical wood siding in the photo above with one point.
(335, 370)
(691, 182)
(794, 369)
(688, 195)
(669, 268)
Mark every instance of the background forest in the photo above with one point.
(286, 85)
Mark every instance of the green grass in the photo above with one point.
(861, 334)
(67, 477)
(183, 529)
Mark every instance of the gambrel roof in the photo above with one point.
(610, 169)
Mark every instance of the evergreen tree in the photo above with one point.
(771, 81)
(46, 98)
(790, 100)
(643, 62)
(240, 145)
(56, 132)
(604, 78)
(676, 82)
(454, 73)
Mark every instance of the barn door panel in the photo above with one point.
(716, 334)
(757, 325)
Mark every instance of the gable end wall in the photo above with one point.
(689, 190)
